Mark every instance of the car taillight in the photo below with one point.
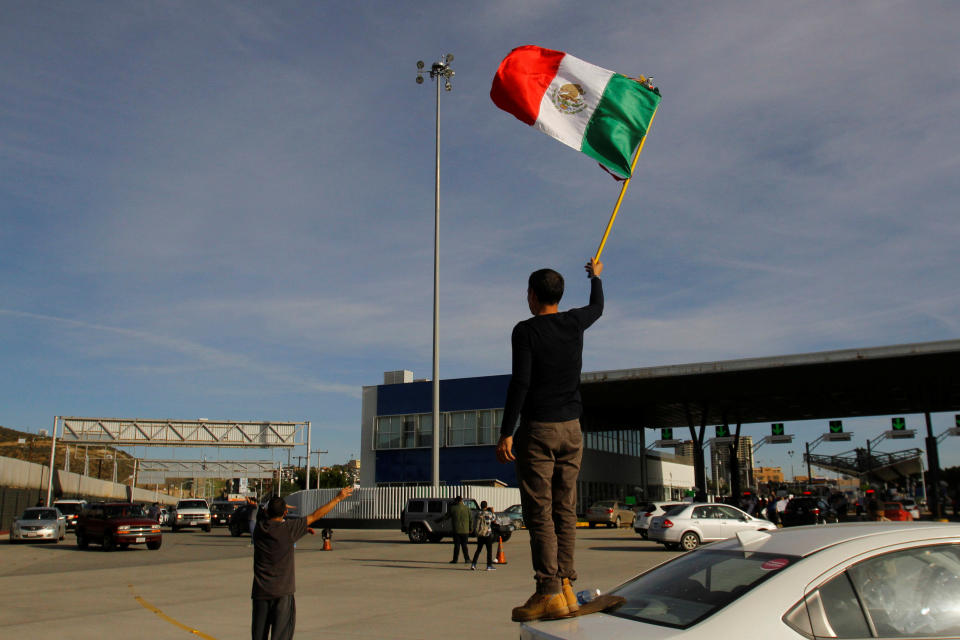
(648, 514)
(816, 511)
(609, 510)
(667, 524)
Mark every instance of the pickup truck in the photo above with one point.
(117, 524)
(194, 512)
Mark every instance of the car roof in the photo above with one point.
(804, 541)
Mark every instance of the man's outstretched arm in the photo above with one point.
(327, 508)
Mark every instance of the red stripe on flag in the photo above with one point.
(523, 78)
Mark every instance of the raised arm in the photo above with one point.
(327, 508)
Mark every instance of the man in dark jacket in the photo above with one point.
(459, 515)
(544, 394)
(274, 608)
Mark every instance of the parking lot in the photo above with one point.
(373, 584)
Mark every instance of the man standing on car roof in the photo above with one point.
(544, 393)
(274, 608)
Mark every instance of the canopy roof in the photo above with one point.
(900, 379)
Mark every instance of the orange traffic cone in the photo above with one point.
(326, 545)
(501, 559)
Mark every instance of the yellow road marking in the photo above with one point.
(146, 605)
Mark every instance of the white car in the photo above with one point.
(648, 512)
(39, 523)
(855, 580)
(689, 525)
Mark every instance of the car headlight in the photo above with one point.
(123, 528)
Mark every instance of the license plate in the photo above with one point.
(140, 539)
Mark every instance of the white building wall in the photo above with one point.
(368, 456)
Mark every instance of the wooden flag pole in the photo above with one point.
(623, 189)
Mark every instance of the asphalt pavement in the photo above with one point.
(372, 585)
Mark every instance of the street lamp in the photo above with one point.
(439, 69)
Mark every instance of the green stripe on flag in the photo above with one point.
(619, 123)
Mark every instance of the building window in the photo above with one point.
(404, 432)
(389, 429)
(425, 433)
(461, 428)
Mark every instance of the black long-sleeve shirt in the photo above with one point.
(547, 358)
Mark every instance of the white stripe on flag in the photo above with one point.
(568, 121)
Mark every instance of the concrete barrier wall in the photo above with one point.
(28, 475)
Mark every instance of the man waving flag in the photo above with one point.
(601, 113)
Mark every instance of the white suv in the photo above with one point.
(194, 512)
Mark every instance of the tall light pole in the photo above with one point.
(439, 69)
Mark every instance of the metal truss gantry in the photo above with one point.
(198, 433)
(125, 432)
(157, 471)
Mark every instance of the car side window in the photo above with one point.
(435, 506)
(727, 512)
(912, 592)
(416, 506)
(701, 512)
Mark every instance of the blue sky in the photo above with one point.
(225, 210)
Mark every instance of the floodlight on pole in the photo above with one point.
(439, 69)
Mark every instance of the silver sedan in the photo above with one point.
(687, 526)
(863, 580)
(39, 523)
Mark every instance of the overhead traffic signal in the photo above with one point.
(723, 431)
(776, 429)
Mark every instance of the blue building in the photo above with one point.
(397, 440)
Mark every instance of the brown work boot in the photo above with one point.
(570, 596)
(541, 606)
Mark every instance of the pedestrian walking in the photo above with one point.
(486, 519)
(274, 608)
(544, 394)
(459, 516)
(154, 512)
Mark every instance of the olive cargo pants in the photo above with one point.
(548, 463)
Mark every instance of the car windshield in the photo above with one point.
(123, 511)
(69, 508)
(684, 591)
(606, 504)
(39, 514)
(192, 504)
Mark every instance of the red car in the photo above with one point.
(117, 524)
(895, 511)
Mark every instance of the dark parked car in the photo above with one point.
(117, 524)
(808, 510)
(239, 522)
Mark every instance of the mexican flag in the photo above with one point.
(601, 113)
